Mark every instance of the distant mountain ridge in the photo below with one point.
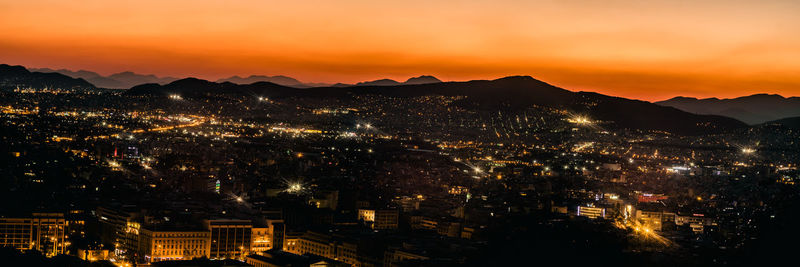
(292, 82)
(279, 79)
(516, 93)
(510, 93)
(424, 79)
(128, 79)
(122, 80)
(18, 76)
(753, 109)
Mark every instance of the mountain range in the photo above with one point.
(12, 77)
(127, 79)
(510, 93)
(753, 109)
(280, 79)
(680, 115)
(424, 79)
(122, 80)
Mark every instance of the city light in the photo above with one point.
(294, 187)
(580, 120)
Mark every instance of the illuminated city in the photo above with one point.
(270, 171)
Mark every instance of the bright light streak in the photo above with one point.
(583, 146)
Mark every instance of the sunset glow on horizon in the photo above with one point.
(650, 51)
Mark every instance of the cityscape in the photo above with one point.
(170, 169)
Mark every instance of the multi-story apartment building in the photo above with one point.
(45, 232)
(174, 243)
(230, 239)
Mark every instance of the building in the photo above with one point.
(347, 252)
(94, 254)
(173, 244)
(45, 232)
(450, 229)
(261, 240)
(408, 204)
(316, 244)
(275, 258)
(650, 198)
(650, 219)
(591, 212)
(118, 227)
(393, 258)
(467, 232)
(696, 221)
(267, 237)
(329, 200)
(333, 247)
(230, 238)
(423, 222)
(379, 218)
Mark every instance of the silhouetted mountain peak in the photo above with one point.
(764, 96)
(19, 76)
(132, 75)
(191, 81)
(422, 80)
(381, 82)
(13, 69)
(517, 78)
(278, 79)
(682, 98)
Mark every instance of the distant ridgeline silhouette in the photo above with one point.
(122, 80)
(754, 109)
(510, 93)
(17, 76)
(127, 79)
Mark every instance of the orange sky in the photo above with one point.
(651, 51)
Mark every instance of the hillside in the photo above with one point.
(752, 109)
(17, 76)
(510, 93)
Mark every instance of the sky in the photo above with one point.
(649, 50)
